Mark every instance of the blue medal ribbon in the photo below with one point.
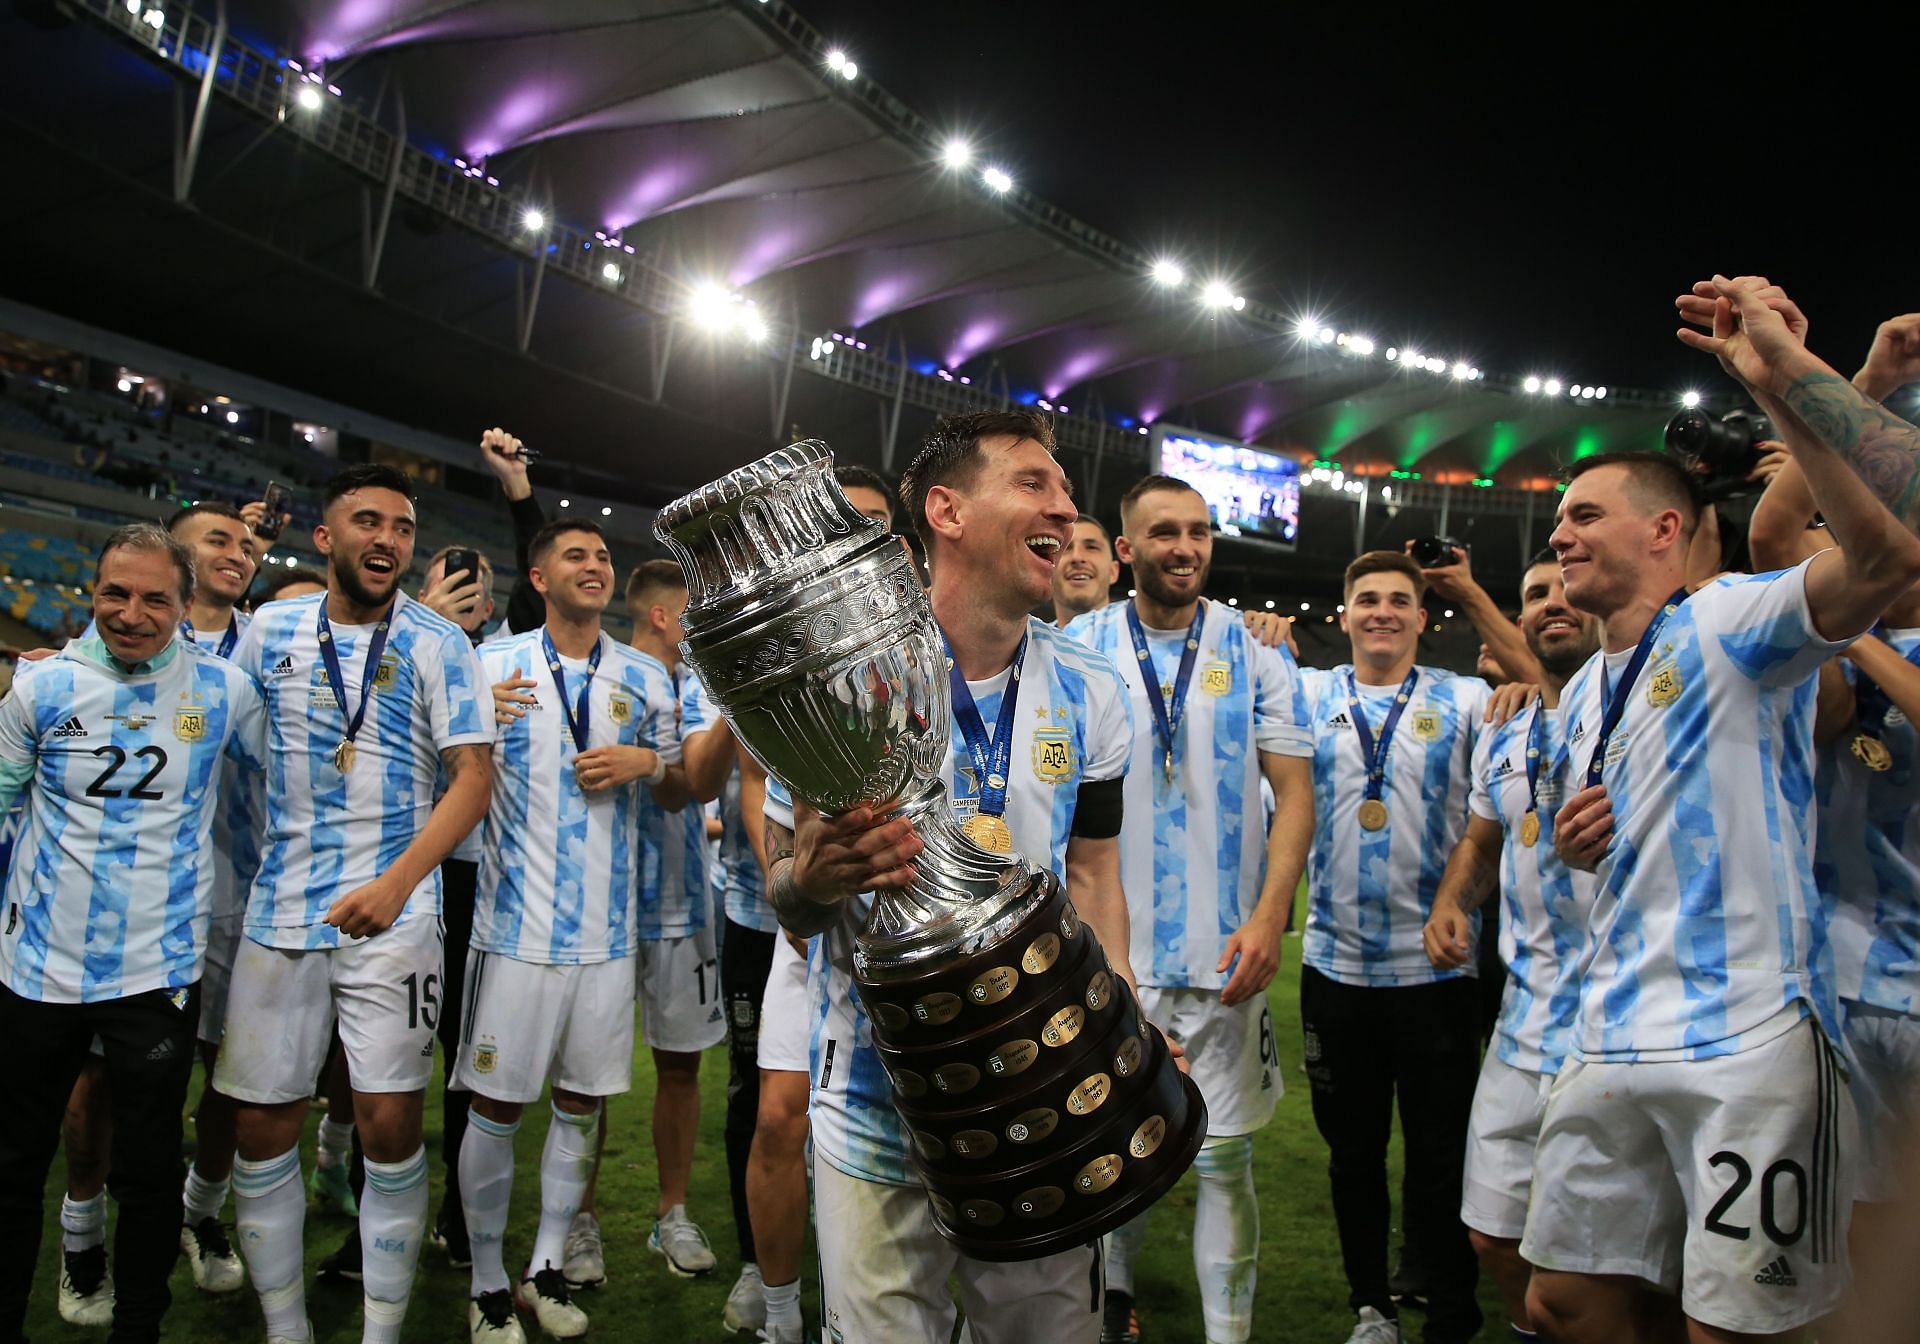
(1166, 716)
(1613, 705)
(227, 640)
(991, 756)
(577, 714)
(336, 683)
(1536, 740)
(1374, 753)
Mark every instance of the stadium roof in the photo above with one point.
(723, 144)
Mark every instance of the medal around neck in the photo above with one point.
(1042, 1108)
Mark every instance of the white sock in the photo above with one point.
(393, 1218)
(1122, 1248)
(486, 1187)
(565, 1164)
(270, 1209)
(83, 1225)
(202, 1198)
(336, 1142)
(783, 1304)
(1226, 1238)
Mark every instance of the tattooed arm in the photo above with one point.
(1472, 875)
(822, 863)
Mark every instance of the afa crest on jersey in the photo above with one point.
(1426, 725)
(485, 1056)
(1052, 755)
(190, 723)
(620, 708)
(385, 675)
(1216, 678)
(1664, 687)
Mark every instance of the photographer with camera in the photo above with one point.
(1446, 568)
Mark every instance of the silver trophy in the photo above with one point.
(1044, 1109)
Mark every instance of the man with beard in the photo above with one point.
(116, 743)
(1086, 573)
(550, 982)
(1393, 742)
(369, 695)
(994, 512)
(1519, 778)
(1209, 885)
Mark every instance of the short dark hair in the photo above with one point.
(1089, 518)
(367, 476)
(950, 455)
(851, 475)
(1546, 555)
(150, 537)
(544, 539)
(1658, 482)
(276, 579)
(1145, 486)
(215, 507)
(1384, 562)
(654, 576)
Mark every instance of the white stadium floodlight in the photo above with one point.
(1167, 272)
(1460, 370)
(1216, 294)
(1600, 392)
(1531, 385)
(998, 180)
(533, 220)
(836, 60)
(711, 306)
(1551, 387)
(956, 154)
(308, 98)
(1690, 400)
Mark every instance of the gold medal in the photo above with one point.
(1530, 829)
(989, 832)
(1373, 814)
(1872, 752)
(343, 756)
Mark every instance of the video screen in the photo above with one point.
(1248, 492)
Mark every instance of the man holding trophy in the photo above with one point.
(1042, 736)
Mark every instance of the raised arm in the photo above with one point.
(1501, 635)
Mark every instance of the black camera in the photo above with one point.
(1720, 453)
(1435, 552)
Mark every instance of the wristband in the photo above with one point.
(659, 769)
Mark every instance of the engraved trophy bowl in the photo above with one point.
(1043, 1109)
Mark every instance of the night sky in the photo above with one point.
(1526, 193)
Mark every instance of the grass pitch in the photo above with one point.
(1301, 1295)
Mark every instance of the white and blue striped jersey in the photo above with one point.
(110, 889)
(328, 833)
(1867, 857)
(1707, 936)
(236, 821)
(676, 891)
(559, 868)
(1193, 877)
(743, 888)
(1074, 726)
(1545, 901)
(1370, 892)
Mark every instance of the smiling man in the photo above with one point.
(1390, 775)
(1086, 572)
(1519, 780)
(994, 512)
(369, 695)
(1209, 885)
(116, 744)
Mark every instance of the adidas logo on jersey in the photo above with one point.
(1503, 769)
(1579, 733)
(1339, 721)
(71, 728)
(1777, 1275)
(284, 668)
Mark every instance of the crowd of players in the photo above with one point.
(316, 840)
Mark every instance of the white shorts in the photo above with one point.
(526, 1025)
(224, 937)
(884, 1269)
(385, 992)
(1508, 1104)
(784, 1019)
(1231, 1054)
(1884, 1048)
(1728, 1181)
(678, 985)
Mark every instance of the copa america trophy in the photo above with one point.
(1044, 1109)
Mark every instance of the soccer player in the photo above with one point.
(1210, 882)
(1086, 573)
(1519, 779)
(222, 541)
(369, 696)
(994, 512)
(1390, 776)
(550, 982)
(116, 743)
